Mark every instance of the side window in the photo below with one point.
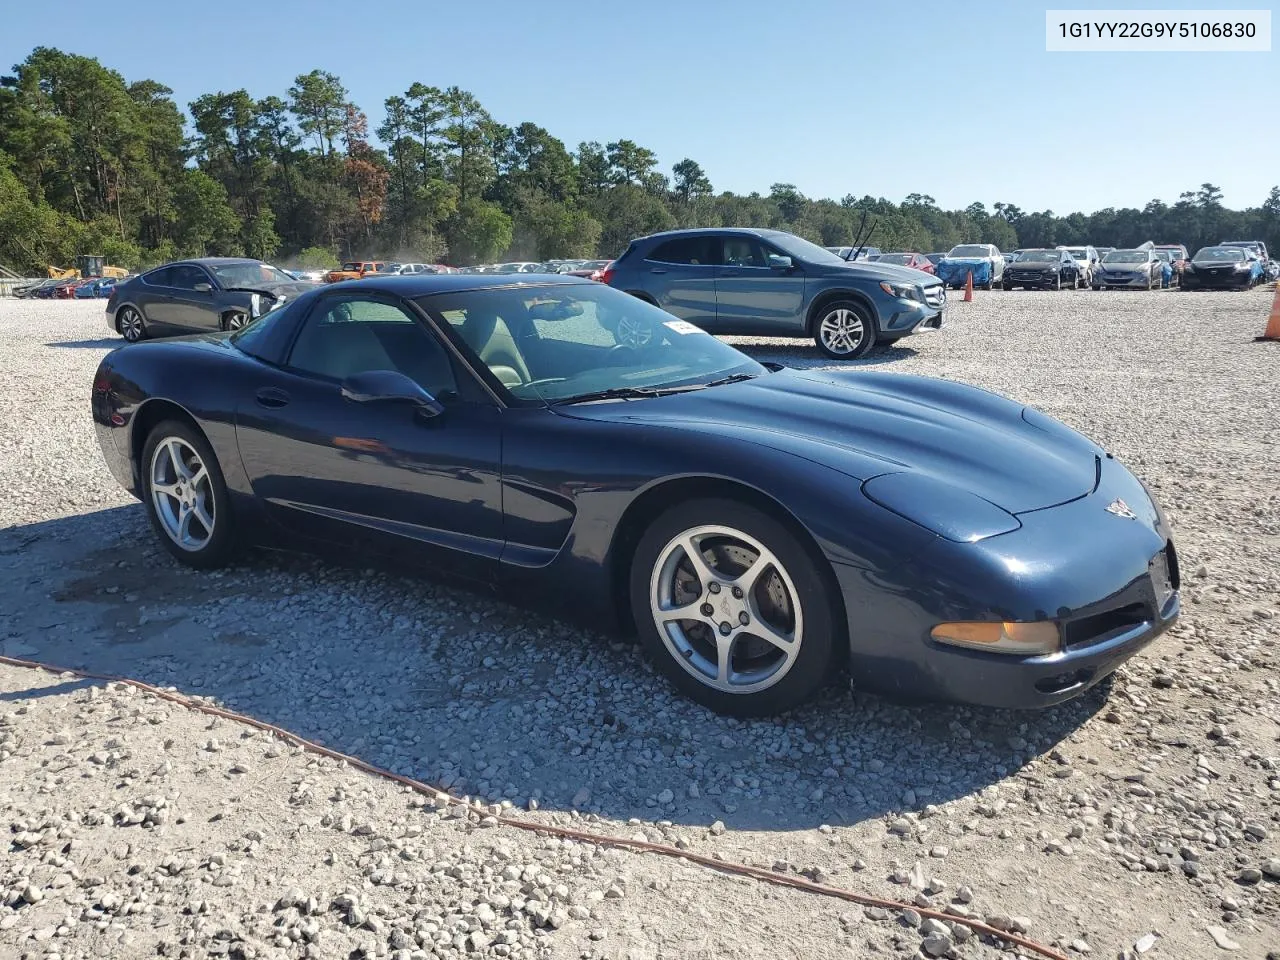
(695, 251)
(186, 276)
(158, 278)
(345, 336)
(743, 252)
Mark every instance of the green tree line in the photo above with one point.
(93, 163)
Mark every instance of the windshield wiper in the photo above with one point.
(732, 378)
(625, 393)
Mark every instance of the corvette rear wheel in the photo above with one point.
(732, 608)
(186, 496)
(844, 331)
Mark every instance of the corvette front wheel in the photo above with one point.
(732, 608)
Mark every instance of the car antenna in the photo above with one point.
(856, 235)
(870, 231)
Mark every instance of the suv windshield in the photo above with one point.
(802, 249)
(1126, 256)
(248, 273)
(559, 342)
(1039, 256)
(969, 250)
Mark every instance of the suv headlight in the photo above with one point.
(901, 290)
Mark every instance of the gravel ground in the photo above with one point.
(1145, 823)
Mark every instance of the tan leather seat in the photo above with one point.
(490, 337)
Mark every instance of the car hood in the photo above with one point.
(869, 424)
(879, 271)
(289, 289)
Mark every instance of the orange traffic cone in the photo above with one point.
(1273, 324)
(968, 288)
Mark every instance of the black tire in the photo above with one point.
(235, 320)
(131, 324)
(829, 311)
(221, 543)
(819, 633)
(1005, 285)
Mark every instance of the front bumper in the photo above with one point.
(900, 316)
(1098, 575)
(1029, 279)
(1236, 280)
(1122, 280)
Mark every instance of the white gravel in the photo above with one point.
(1147, 824)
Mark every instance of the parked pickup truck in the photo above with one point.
(353, 270)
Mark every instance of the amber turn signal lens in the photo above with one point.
(1028, 639)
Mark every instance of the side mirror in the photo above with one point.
(777, 262)
(376, 386)
(203, 288)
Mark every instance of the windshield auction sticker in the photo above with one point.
(1157, 31)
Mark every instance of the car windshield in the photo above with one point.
(355, 266)
(558, 342)
(1165, 255)
(802, 249)
(1224, 254)
(970, 250)
(1039, 256)
(1077, 252)
(248, 273)
(900, 258)
(1126, 256)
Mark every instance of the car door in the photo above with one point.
(680, 275)
(754, 293)
(190, 293)
(151, 295)
(376, 474)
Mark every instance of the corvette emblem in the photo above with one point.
(1121, 509)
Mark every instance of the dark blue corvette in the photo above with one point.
(758, 527)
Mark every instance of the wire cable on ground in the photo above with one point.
(582, 836)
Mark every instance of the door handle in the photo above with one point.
(658, 270)
(273, 398)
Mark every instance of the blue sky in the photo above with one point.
(959, 101)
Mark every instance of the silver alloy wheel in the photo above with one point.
(130, 324)
(842, 330)
(237, 320)
(726, 609)
(182, 494)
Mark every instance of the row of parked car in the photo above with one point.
(361, 269)
(77, 288)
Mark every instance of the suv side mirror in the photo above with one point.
(203, 288)
(379, 386)
(778, 262)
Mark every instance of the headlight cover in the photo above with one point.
(1020, 639)
(950, 512)
(902, 290)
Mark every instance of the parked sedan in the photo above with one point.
(916, 261)
(1050, 269)
(1129, 268)
(190, 296)
(770, 283)
(757, 527)
(1222, 268)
